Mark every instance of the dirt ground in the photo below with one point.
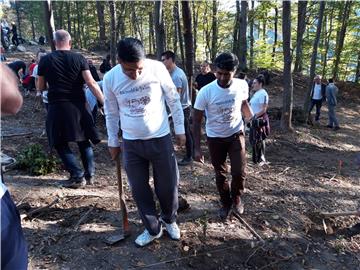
(312, 169)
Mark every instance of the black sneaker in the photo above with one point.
(74, 182)
(224, 212)
(329, 126)
(185, 161)
(90, 180)
(336, 128)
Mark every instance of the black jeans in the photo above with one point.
(188, 134)
(318, 104)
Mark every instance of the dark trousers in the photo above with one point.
(318, 104)
(70, 162)
(188, 134)
(137, 155)
(219, 148)
(14, 253)
(257, 142)
(15, 40)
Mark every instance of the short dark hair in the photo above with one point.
(227, 61)
(130, 50)
(331, 80)
(242, 75)
(261, 79)
(169, 54)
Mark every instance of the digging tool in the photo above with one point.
(125, 228)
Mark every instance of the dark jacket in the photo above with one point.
(323, 90)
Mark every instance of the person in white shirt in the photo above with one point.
(259, 128)
(317, 96)
(14, 251)
(224, 101)
(135, 93)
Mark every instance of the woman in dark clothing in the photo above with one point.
(14, 38)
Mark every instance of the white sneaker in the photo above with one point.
(172, 229)
(146, 238)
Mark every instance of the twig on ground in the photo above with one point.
(15, 134)
(284, 171)
(249, 227)
(76, 227)
(40, 209)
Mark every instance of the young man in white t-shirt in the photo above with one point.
(135, 93)
(224, 102)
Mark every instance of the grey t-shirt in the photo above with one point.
(179, 78)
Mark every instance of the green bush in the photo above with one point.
(35, 161)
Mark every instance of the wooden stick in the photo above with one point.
(340, 214)
(248, 226)
(37, 210)
(76, 227)
(15, 134)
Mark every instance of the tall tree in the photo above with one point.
(242, 36)
(68, 17)
(101, 19)
(251, 21)
(313, 58)
(195, 9)
(113, 32)
(275, 33)
(49, 23)
(357, 72)
(327, 34)
(159, 28)
(301, 25)
(181, 40)
(341, 37)
(236, 29)
(214, 27)
(286, 115)
(188, 39)
(17, 8)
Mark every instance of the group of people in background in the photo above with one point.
(320, 93)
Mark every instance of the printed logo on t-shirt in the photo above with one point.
(225, 109)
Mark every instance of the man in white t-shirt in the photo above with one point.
(224, 102)
(14, 251)
(317, 96)
(135, 93)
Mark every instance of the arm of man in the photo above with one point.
(196, 129)
(111, 109)
(173, 101)
(94, 87)
(11, 99)
(246, 110)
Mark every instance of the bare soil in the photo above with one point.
(311, 169)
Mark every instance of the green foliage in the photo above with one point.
(33, 159)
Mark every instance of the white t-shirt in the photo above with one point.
(3, 188)
(257, 101)
(140, 104)
(317, 92)
(222, 107)
(44, 93)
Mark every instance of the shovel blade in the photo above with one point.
(113, 239)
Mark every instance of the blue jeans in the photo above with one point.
(70, 162)
(332, 116)
(14, 253)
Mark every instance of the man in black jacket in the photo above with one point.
(317, 96)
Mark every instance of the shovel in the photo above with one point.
(125, 228)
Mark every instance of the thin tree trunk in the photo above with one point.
(264, 30)
(195, 26)
(236, 29)
(251, 17)
(120, 27)
(301, 25)
(78, 10)
(32, 27)
(286, 115)
(214, 27)
(313, 59)
(357, 72)
(181, 40)
(340, 41)
(242, 36)
(175, 26)
(101, 20)
(151, 33)
(68, 18)
(275, 35)
(159, 29)
(49, 23)
(18, 18)
(61, 15)
(327, 41)
(112, 9)
(189, 46)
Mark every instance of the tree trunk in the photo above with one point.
(264, 30)
(120, 27)
(181, 40)
(175, 26)
(340, 41)
(32, 28)
(151, 34)
(327, 41)
(357, 72)
(101, 19)
(313, 59)
(49, 23)
(251, 17)
(189, 46)
(68, 18)
(286, 115)
(214, 27)
(301, 25)
(236, 29)
(195, 26)
(112, 9)
(275, 34)
(78, 11)
(61, 15)
(159, 29)
(242, 36)
(18, 18)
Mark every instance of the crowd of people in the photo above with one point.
(136, 95)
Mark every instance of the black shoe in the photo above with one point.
(329, 126)
(185, 161)
(336, 128)
(90, 180)
(224, 212)
(74, 182)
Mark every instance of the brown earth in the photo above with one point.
(282, 199)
